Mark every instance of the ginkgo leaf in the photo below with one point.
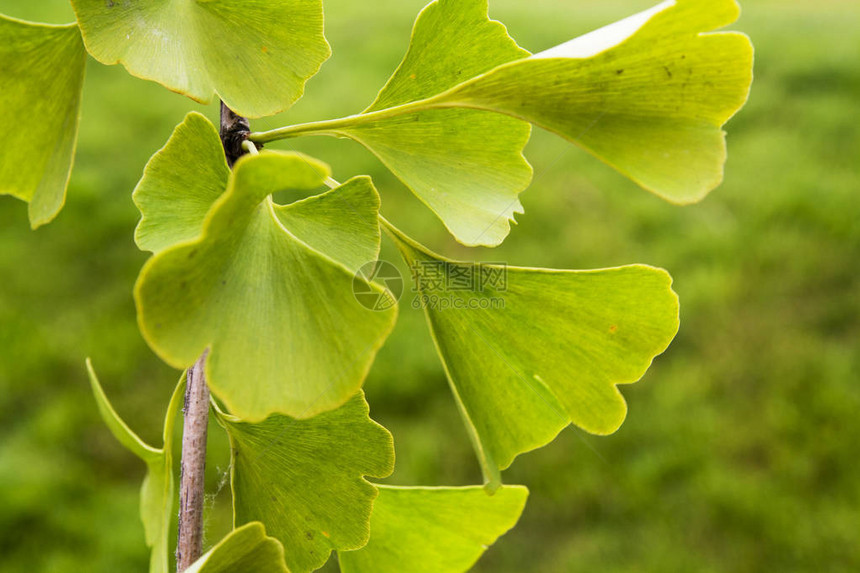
(434, 529)
(42, 76)
(648, 95)
(175, 194)
(272, 309)
(528, 351)
(256, 55)
(157, 491)
(304, 478)
(342, 222)
(466, 165)
(246, 549)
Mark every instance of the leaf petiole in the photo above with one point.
(332, 126)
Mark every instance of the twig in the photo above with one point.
(192, 482)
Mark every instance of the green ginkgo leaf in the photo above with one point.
(434, 529)
(41, 80)
(175, 194)
(466, 165)
(648, 95)
(256, 55)
(305, 478)
(157, 493)
(343, 223)
(528, 351)
(272, 308)
(246, 549)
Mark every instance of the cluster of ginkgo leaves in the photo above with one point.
(267, 288)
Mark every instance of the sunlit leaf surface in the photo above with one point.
(648, 95)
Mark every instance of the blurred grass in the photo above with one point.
(740, 450)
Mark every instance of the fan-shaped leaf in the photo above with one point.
(157, 492)
(272, 309)
(648, 95)
(342, 223)
(466, 165)
(528, 351)
(42, 76)
(244, 550)
(175, 193)
(304, 478)
(433, 530)
(255, 54)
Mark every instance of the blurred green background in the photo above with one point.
(741, 452)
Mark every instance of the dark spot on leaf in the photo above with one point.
(309, 535)
(613, 328)
(668, 71)
(619, 72)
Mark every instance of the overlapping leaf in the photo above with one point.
(466, 165)
(255, 54)
(648, 95)
(41, 78)
(256, 291)
(304, 478)
(158, 490)
(433, 530)
(342, 223)
(245, 549)
(176, 192)
(528, 351)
